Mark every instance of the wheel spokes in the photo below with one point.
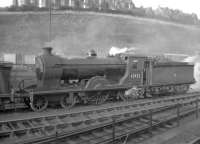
(39, 103)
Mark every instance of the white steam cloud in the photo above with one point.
(196, 61)
(115, 50)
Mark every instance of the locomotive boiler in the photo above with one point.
(52, 70)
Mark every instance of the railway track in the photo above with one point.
(37, 129)
(167, 121)
(137, 102)
(103, 134)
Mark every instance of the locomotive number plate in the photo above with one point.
(135, 76)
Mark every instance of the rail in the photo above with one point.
(117, 130)
(74, 122)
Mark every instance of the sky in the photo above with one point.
(5, 3)
(188, 6)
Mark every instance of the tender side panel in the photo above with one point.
(172, 74)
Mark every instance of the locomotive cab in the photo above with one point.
(136, 71)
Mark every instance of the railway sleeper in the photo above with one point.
(73, 125)
(140, 129)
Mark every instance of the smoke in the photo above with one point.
(115, 50)
(81, 35)
(196, 61)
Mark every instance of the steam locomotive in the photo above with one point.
(94, 80)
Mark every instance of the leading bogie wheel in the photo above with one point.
(39, 103)
(67, 101)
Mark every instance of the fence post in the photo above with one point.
(113, 131)
(151, 120)
(178, 114)
(56, 136)
(197, 107)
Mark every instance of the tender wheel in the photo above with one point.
(39, 103)
(140, 93)
(67, 101)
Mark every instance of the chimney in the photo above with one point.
(47, 51)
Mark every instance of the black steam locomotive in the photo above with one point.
(94, 80)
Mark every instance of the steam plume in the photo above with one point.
(115, 50)
(196, 61)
